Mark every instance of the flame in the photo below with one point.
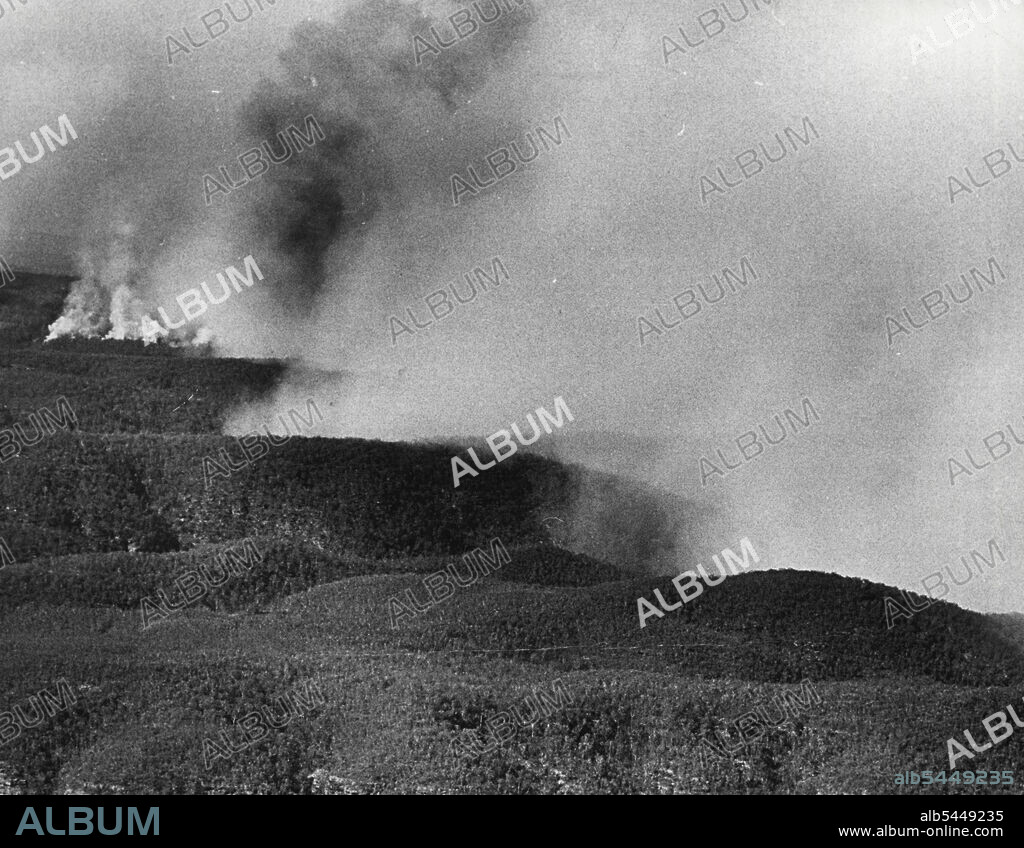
(107, 302)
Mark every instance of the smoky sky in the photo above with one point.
(359, 79)
(595, 232)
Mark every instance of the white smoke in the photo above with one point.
(107, 302)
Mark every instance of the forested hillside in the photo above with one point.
(117, 508)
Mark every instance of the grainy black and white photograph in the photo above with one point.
(428, 397)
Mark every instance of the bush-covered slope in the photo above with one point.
(115, 510)
(265, 570)
(349, 495)
(396, 700)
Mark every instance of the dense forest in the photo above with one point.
(116, 510)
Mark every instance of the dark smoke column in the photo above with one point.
(360, 81)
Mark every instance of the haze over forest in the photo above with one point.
(602, 229)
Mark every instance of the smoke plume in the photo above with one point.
(602, 228)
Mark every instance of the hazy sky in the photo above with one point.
(602, 229)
